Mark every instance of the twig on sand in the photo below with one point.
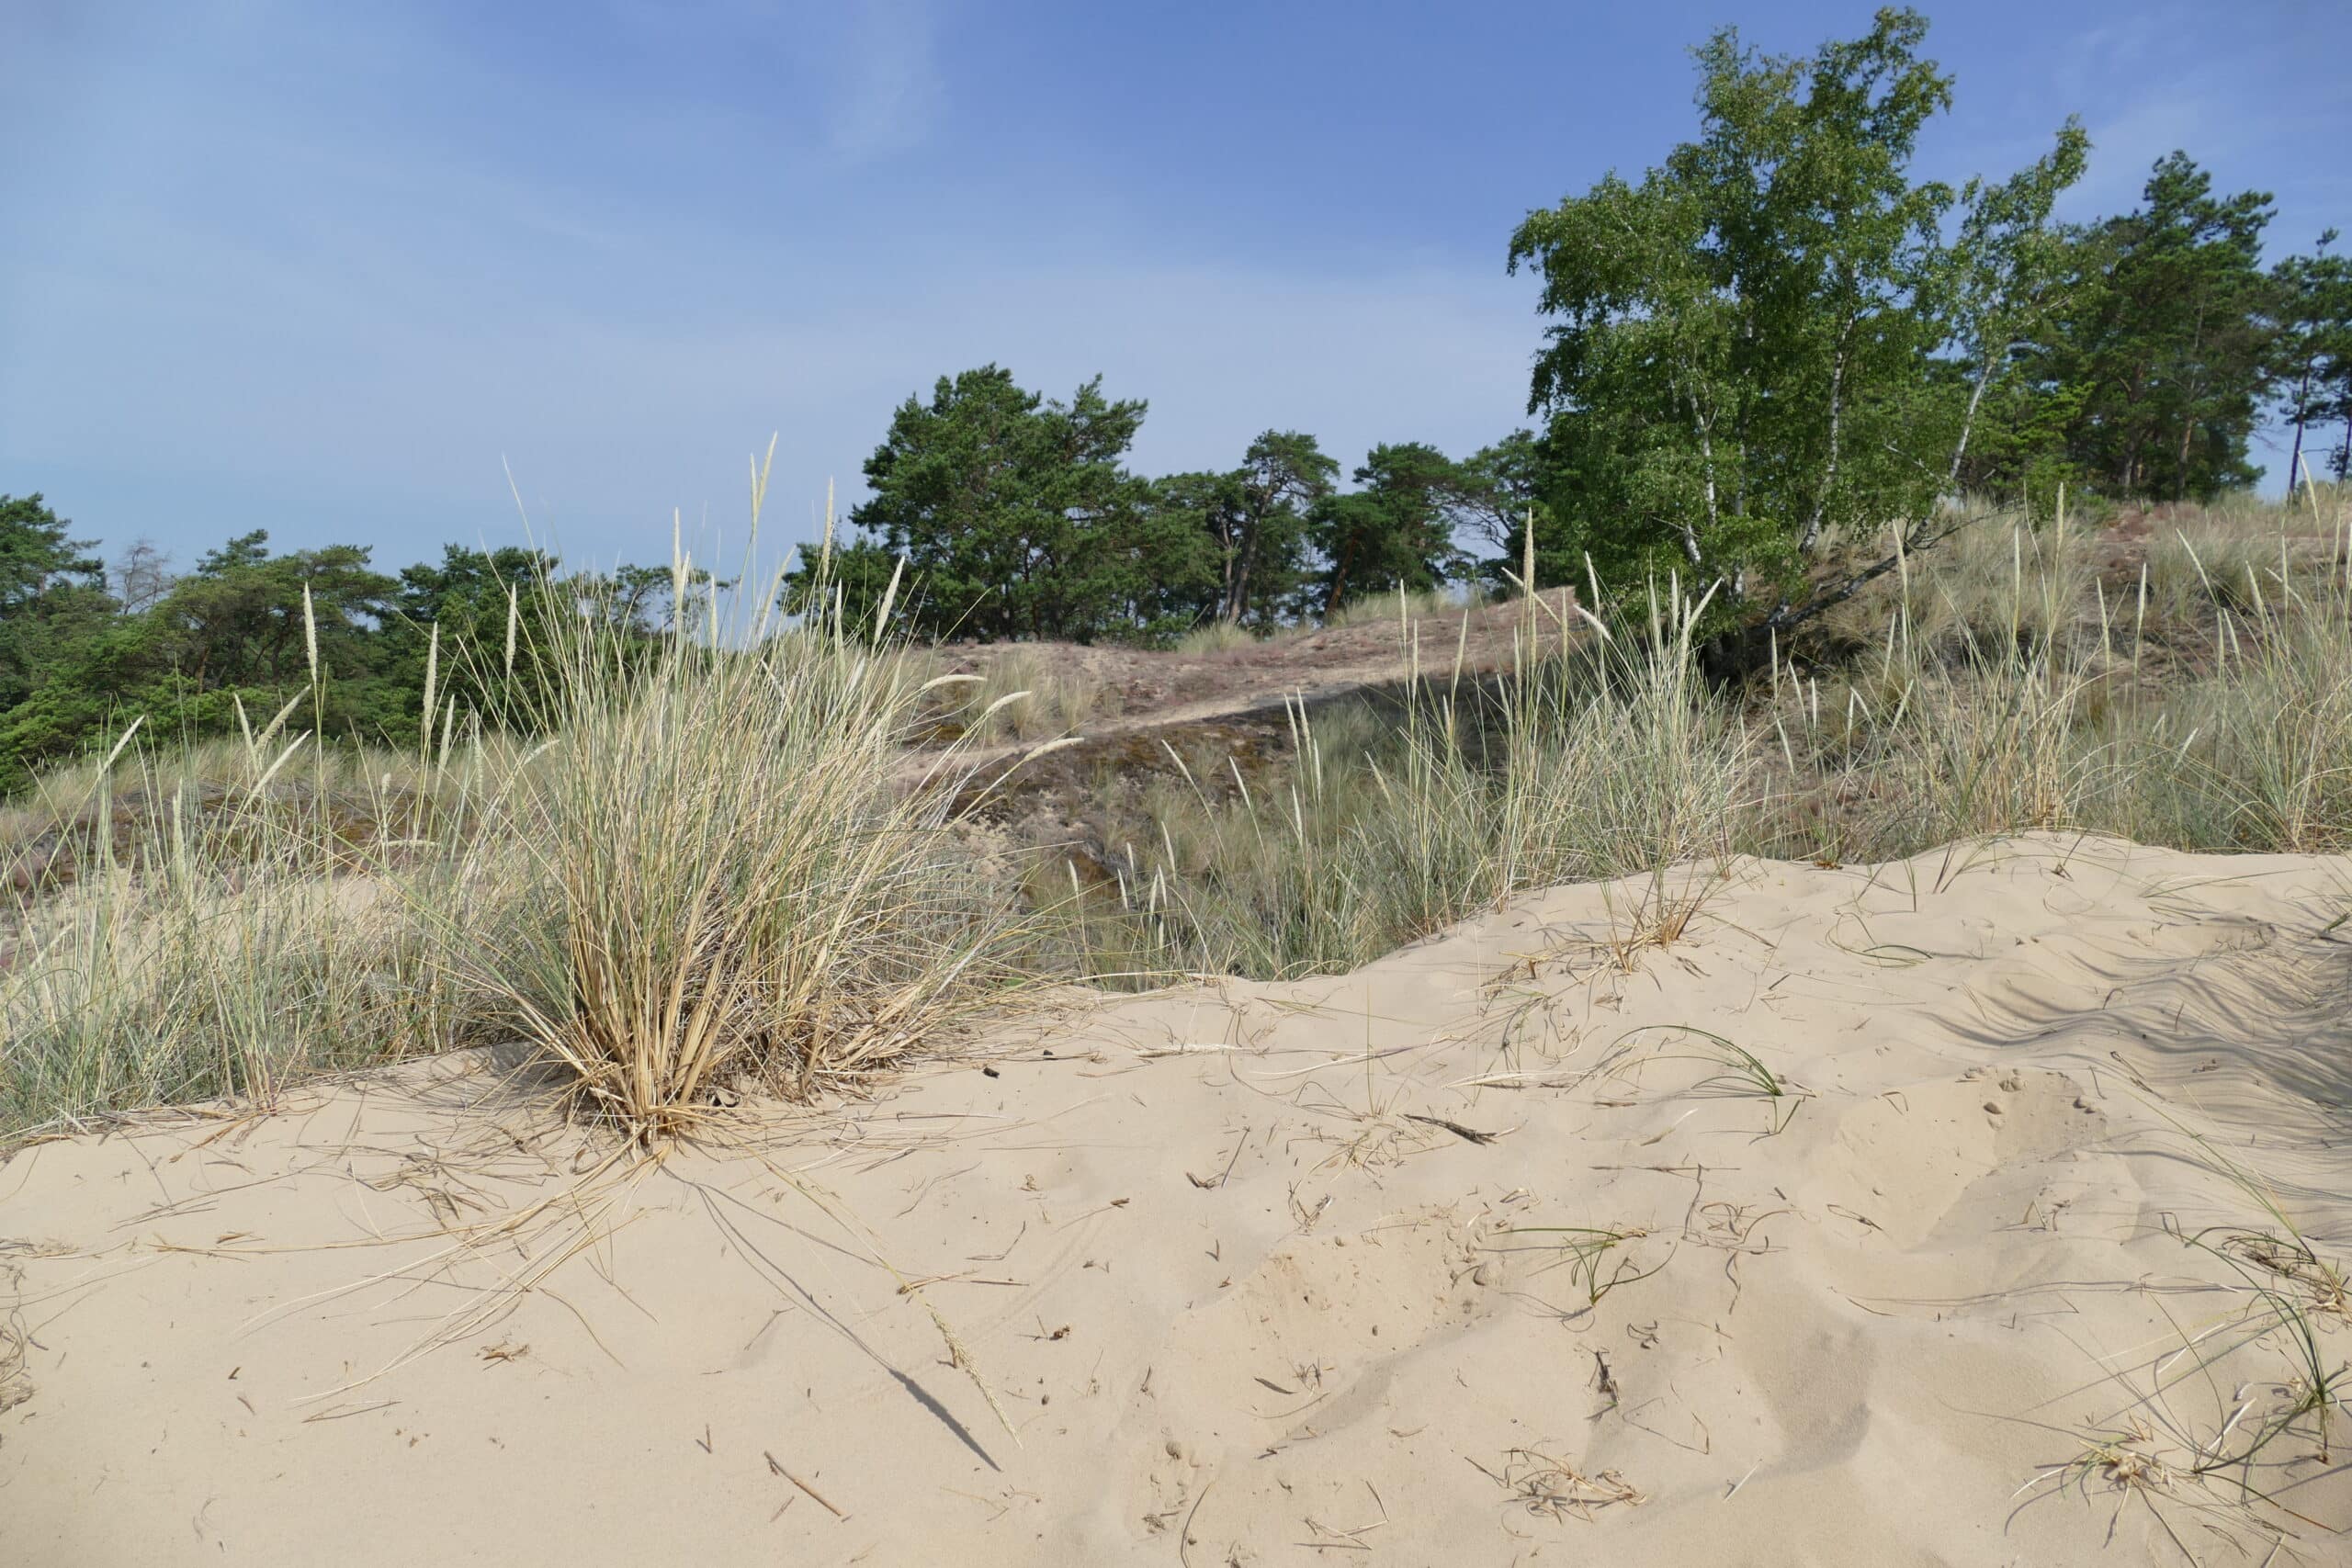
(776, 1469)
(1207, 1186)
(1456, 1128)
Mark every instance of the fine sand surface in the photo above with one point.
(1247, 1298)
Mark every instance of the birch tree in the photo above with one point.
(1744, 357)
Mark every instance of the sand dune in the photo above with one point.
(1485, 1253)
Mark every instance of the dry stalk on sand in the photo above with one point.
(1555, 1488)
(959, 1355)
(16, 1383)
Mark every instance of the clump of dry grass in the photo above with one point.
(1030, 699)
(185, 928)
(1018, 693)
(2257, 751)
(2201, 565)
(702, 875)
(1555, 1488)
(713, 879)
(2221, 724)
(1617, 758)
(1998, 582)
(1216, 637)
(1593, 757)
(1401, 606)
(227, 793)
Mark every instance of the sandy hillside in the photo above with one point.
(1142, 689)
(1477, 1255)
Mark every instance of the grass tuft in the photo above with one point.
(713, 879)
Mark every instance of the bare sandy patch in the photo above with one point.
(1978, 1209)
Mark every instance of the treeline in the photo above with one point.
(86, 647)
(1017, 517)
(1758, 358)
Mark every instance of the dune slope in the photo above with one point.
(1906, 1214)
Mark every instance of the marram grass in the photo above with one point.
(713, 861)
(720, 876)
(712, 870)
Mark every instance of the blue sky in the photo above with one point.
(329, 269)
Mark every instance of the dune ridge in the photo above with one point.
(1932, 1213)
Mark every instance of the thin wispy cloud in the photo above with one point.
(891, 86)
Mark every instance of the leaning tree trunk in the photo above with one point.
(2303, 413)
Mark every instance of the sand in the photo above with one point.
(1476, 1255)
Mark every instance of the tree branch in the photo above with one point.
(1918, 541)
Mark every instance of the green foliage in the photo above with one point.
(223, 647)
(245, 627)
(856, 574)
(1745, 355)
(2006, 280)
(2166, 339)
(1282, 477)
(36, 556)
(1396, 530)
(482, 604)
(245, 620)
(2313, 354)
(1500, 490)
(1259, 521)
(1018, 519)
(47, 583)
(1214, 507)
